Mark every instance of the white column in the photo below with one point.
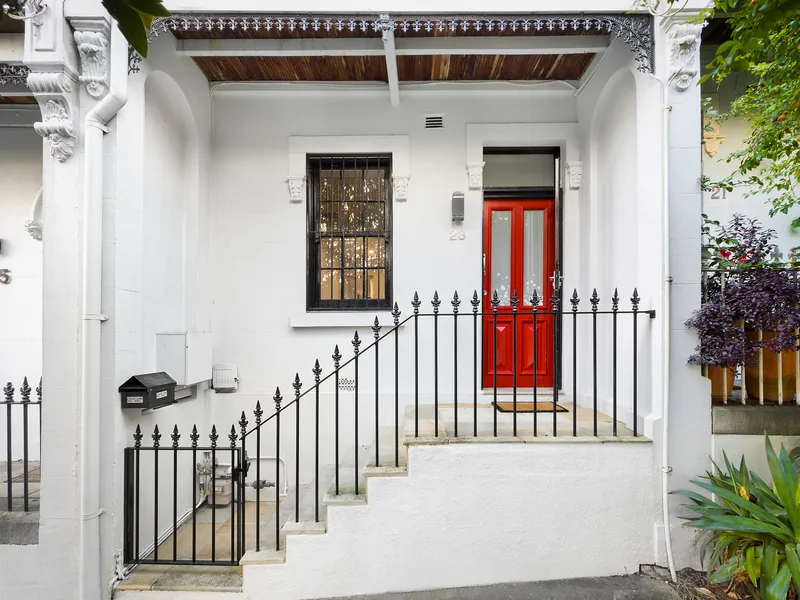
(690, 400)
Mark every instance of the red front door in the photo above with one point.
(519, 256)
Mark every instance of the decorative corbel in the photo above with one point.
(683, 40)
(400, 187)
(475, 173)
(92, 39)
(34, 224)
(296, 185)
(575, 174)
(55, 93)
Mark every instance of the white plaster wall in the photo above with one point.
(620, 227)
(156, 246)
(478, 514)
(736, 131)
(752, 448)
(20, 300)
(259, 248)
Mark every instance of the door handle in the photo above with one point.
(484, 267)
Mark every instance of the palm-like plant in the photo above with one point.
(753, 528)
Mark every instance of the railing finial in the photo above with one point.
(243, 424)
(396, 314)
(156, 437)
(455, 302)
(8, 392)
(39, 390)
(416, 303)
(297, 385)
(495, 301)
(475, 301)
(232, 436)
(376, 328)
(615, 301)
(258, 412)
(25, 390)
(356, 342)
(277, 398)
(336, 356)
(317, 370)
(514, 301)
(214, 436)
(436, 302)
(594, 300)
(175, 436)
(535, 300)
(635, 300)
(137, 437)
(574, 300)
(194, 436)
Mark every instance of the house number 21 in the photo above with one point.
(457, 234)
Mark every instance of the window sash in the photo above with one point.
(349, 232)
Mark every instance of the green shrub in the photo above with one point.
(753, 528)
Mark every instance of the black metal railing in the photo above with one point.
(23, 423)
(592, 337)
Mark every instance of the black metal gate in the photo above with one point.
(184, 505)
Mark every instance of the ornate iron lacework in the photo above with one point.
(635, 30)
(13, 74)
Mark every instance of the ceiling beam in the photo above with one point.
(484, 45)
(387, 36)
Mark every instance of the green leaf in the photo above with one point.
(150, 7)
(726, 571)
(794, 564)
(131, 26)
(753, 567)
(147, 20)
(778, 587)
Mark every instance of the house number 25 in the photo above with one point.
(457, 234)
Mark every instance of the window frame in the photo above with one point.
(314, 166)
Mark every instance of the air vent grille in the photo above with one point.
(434, 121)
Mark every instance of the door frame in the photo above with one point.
(534, 193)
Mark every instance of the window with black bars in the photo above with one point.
(349, 232)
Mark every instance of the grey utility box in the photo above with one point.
(151, 390)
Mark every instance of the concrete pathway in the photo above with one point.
(632, 587)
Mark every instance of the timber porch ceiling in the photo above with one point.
(397, 49)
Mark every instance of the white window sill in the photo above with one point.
(341, 319)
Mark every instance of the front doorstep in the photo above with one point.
(739, 419)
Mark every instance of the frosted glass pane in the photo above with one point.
(501, 256)
(533, 258)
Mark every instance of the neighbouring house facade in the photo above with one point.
(418, 279)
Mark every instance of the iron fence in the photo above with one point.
(23, 418)
(595, 339)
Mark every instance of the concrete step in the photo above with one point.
(263, 557)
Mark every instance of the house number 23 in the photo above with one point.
(457, 234)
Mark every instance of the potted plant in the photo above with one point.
(752, 301)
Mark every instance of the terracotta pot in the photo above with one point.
(718, 375)
(770, 369)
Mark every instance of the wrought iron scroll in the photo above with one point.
(636, 30)
(13, 74)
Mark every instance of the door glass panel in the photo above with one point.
(533, 255)
(501, 256)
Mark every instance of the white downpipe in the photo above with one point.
(666, 292)
(90, 587)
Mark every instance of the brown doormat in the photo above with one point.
(527, 407)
